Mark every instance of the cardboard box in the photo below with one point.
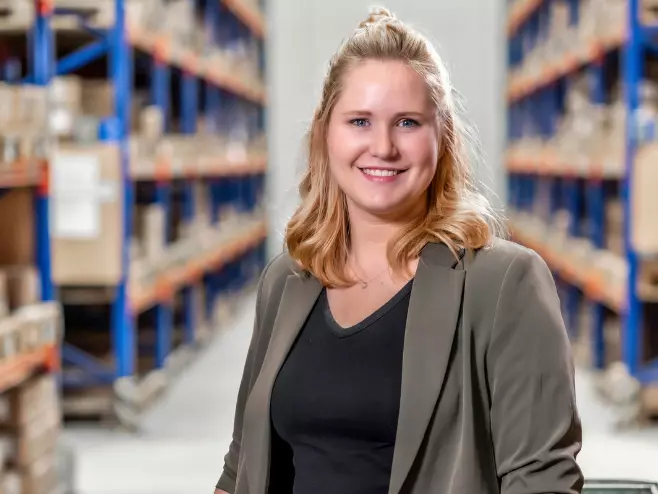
(151, 123)
(5, 449)
(41, 325)
(41, 476)
(97, 98)
(35, 440)
(66, 92)
(33, 104)
(23, 285)
(17, 246)
(7, 114)
(30, 403)
(87, 222)
(644, 199)
(67, 115)
(11, 483)
(9, 338)
(154, 232)
(4, 295)
(10, 150)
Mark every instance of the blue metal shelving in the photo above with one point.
(41, 56)
(223, 100)
(534, 108)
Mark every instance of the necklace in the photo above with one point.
(364, 283)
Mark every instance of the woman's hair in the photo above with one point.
(317, 235)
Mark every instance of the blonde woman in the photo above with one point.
(400, 346)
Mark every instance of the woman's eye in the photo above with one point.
(359, 122)
(407, 122)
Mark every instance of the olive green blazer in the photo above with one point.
(488, 402)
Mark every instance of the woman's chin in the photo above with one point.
(383, 208)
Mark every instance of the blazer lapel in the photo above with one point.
(432, 320)
(299, 296)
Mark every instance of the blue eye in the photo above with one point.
(359, 122)
(408, 123)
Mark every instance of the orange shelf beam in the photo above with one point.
(163, 289)
(161, 46)
(519, 86)
(546, 166)
(588, 280)
(165, 170)
(251, 16)
(520, 13)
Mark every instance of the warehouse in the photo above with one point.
(150, 156)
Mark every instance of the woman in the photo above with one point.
(399, 347)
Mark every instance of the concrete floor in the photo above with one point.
(180, 449)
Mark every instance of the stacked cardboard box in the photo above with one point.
(78, 105)
(179, 33)
(30, 425)
(644, 201)
(24, 139)
(87, 214)
(29, 412)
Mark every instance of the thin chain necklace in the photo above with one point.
(364, 283)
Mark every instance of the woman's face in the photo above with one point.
(383, 138)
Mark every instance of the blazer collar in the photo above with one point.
(432, 320)
(299, 296)
(433, 315)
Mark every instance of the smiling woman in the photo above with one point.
(385, 130)
(386, 142)
(399, 346)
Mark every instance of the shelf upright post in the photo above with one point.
(189, 111)
(632, 74)
(210, 112)
(160, 97)
(115, 130)
(595, 197)
(42, 55)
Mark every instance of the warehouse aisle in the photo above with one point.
(180, 449)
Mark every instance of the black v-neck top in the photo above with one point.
(335, 403)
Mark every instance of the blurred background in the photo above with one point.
(149, 155)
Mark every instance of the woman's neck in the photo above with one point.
(370, 235)
(369, 242)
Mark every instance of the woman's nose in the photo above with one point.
(382, 144)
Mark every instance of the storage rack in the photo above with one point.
(558, 198)
(222, 271)
(17, 369)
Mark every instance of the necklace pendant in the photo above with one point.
(364, 286)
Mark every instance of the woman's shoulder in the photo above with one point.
(502, 270)
(276, 272)
(496, 259)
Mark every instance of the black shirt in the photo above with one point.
(335, 403)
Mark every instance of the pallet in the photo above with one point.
(123, 405)
(636, 405)
(126, 402)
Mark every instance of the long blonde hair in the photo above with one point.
(317, 235)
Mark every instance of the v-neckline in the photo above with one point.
(343, 332)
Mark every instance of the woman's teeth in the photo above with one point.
(380, 173)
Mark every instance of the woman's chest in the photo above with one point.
(342, 382)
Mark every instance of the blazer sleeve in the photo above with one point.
(228, 477)
(535, 424)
